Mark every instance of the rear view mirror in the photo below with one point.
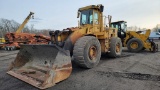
(101, 8)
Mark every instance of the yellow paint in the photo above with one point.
(24, 23)
(142, 37)
(2, 40)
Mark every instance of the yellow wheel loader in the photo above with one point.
(134, 41)
(45, 65)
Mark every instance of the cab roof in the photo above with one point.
(119, 22)
(90, 7)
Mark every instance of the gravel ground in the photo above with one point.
(131, 71)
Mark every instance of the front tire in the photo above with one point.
(87, 51)
(135, 45)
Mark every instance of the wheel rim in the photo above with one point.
(92, 53)
(134, 45)
(118, 47)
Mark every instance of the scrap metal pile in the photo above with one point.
(14, 40)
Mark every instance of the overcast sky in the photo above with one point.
(59, 14)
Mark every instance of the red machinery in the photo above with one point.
(14, 40)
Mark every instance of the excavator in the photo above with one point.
(45, 65)
(135, 41)
(13, 40)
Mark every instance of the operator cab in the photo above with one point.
(90, 15)
(86, 17)
(122, 28)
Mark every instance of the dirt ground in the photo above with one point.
(131, 71)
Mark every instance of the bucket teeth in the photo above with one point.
(41, 65)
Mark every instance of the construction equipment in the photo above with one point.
(135, 41)
(19, 30)
(14, 40)
(45, 65)
(41, 39)
(2, 41)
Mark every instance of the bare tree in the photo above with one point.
(8, 26)
(11, 26)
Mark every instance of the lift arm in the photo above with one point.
(24, 23)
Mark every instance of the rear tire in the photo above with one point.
(135, 45)
(115, 47)
(87, 51)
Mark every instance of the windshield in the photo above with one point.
(124, 27)
(121, 26)
(86, 17)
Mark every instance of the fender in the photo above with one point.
(71, 40)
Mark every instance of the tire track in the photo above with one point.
(8, 54)
(7, 59)
(130, 67)
(134, 76)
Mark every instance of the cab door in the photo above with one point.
(96, 21)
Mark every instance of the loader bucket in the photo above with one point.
(41, 65)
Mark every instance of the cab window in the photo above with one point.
(86, 17)
(96, 18)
